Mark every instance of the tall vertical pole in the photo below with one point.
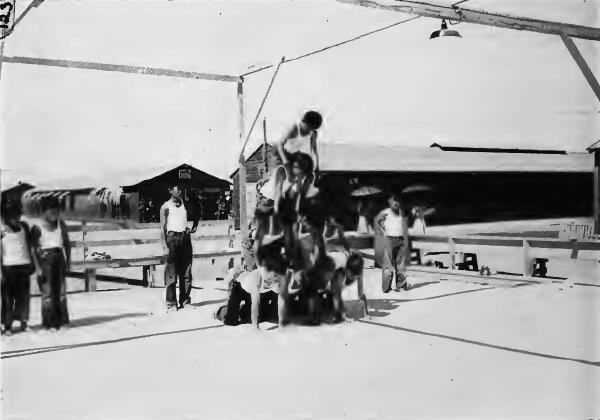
(242, 163)
(1, 55)
(265, 157)
(596, 191)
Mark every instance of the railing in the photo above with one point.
(452, 244)
(148, 261)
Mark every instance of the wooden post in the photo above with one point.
(452, 252)
(583, 66)
(242, 164)
(265, 154)
(83, 233)
(90, 280)
(1, 56)
(597, 191)
(152, 272)
(527, 269)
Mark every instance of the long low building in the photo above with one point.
(466, 185)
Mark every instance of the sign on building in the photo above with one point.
(185, 174)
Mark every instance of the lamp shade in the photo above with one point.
(444, 31)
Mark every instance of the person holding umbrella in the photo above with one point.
(365, 208)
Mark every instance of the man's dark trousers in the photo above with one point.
(179, 266)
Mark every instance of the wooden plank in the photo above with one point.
(133, 241)
(483, 18)
(582, 64)
(452, 252)
(108, 226)
(90, 280)
(119, 68)
(489, 241)
(527, 262)
(430, 239)
(136, 262)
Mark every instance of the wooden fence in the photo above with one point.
(137, 234)
(452, 245)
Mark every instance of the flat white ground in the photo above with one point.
(451, 347)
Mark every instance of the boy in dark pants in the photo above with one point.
(253, 295)
(177, 241)
(17, 266)
(394, 224)
(52, 258)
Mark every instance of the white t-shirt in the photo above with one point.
(50, 239)
(393, 223)
(265, 281)
(177, 218)
(14, 247)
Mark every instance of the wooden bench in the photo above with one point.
(148, 263)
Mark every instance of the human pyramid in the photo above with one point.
(294, 279)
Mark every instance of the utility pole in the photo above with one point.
(265, 154)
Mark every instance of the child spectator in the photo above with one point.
(53, 255)
(17, 265)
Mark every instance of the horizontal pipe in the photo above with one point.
(119, 68)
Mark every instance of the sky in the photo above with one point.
(492, 87)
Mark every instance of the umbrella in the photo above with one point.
(365, 191)
(416, 188)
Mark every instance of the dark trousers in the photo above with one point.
(179, 266)
(240, 303)
(53, 287)
(15, 294)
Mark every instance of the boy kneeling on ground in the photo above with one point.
(318, 297)
(254, 294)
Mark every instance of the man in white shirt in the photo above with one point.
(394, 226)
(176, 236)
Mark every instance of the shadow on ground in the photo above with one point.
(383, 307)
(94, 320)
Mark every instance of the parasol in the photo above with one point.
(416, 188)
(366, 191)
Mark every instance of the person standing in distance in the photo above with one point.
(176, 238)
(393, 222)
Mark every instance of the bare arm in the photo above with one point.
(255, 307)
(361, 294)
(164, 215)
(66, 242)
(34, 246)
(380, 221)
(290, 134)
(313, 148)
(405, 235)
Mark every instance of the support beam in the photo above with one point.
(119, 68)
(583, 66)
(242, 159)
(482, 18)
(242, 164)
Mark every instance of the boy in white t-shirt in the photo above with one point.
(16, 261)
(393, 222)
(253, 294)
